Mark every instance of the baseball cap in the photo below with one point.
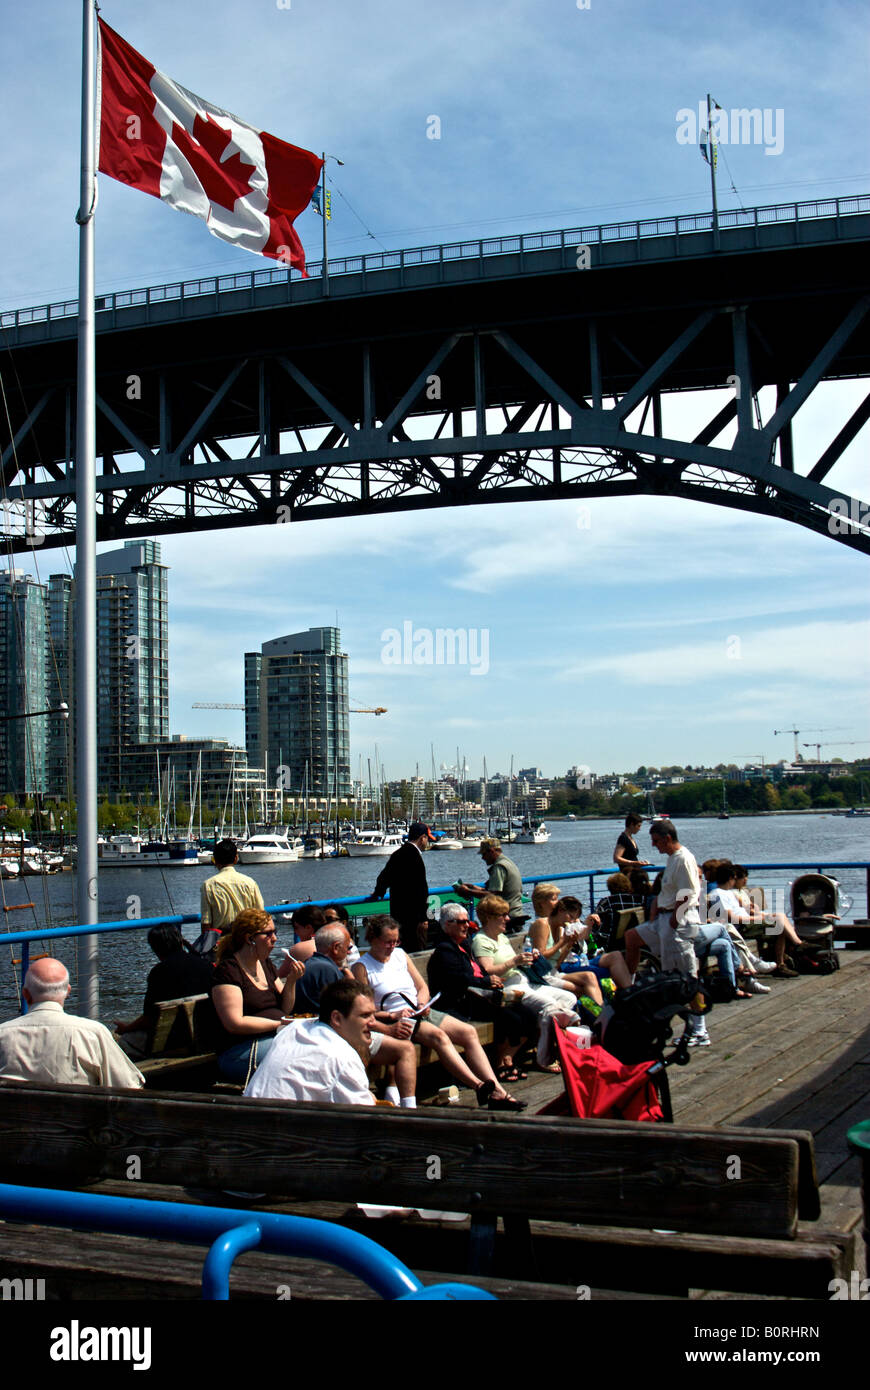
(418, 829)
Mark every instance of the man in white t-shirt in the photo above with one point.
(671, 933)
(325, 1058)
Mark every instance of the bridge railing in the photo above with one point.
(683, 224)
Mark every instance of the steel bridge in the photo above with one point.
(527, 367)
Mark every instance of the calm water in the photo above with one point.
(125, 958)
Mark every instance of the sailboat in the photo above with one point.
(723, 814)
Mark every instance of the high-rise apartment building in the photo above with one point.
(22, 683)
(59, 680)
(297, 712)
(132, 656)
(37, 670)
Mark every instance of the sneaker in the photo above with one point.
(754, 986)
(784, 972)
(699, 1040)
(762, 967)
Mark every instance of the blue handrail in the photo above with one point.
(228, 1232)
(187, 918)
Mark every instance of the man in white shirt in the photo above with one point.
(671, 933)
(48, 1046)
(325, 1058)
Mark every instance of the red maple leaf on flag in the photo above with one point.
(223, 182)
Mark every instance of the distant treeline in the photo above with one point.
(695, 798)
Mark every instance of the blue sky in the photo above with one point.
(645, 630)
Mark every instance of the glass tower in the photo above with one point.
(132, 656)
(22, 683)
(296, 712)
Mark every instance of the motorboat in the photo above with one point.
(532, 834)
(447, 842)
(268, 849)
(29, 858)
(120, 850)
(371, 844)
(166, 854)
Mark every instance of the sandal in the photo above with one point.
(554, 1069)
(509, 1072)
(506, 1103)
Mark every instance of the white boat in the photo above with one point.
(166, 854)
(532, 835)
(268, 849)
(122, 850)
(370, 844)
(471, 841)
(8, 868)
(29, 858)
(446, 842)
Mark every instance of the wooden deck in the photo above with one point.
(798, 1058)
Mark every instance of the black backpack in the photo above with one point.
(640, 1022)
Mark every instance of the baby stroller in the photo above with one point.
(625, 1077)
(815, 907)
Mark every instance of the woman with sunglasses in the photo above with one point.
(251, 998)
(496, 956)
(469, 994)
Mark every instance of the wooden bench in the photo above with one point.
(193, 1010)
(655, 1208)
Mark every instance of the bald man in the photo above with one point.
(46, 1045)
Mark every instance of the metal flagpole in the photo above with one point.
(86, 542)
(712, 162)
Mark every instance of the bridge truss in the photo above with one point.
(531, 380)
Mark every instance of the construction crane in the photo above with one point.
(797, 757)
(378, 709)
(851, 743)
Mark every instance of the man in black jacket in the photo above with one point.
(404, 875)
(467, 993)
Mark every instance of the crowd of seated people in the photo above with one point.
(474, 969)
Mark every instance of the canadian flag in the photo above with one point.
(245, 184)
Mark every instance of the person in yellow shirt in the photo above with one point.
(224, 896)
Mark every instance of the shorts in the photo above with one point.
(673, 946)
(591, 966)
(374, 1045)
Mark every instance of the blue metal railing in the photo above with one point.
(684, 224)
(228, 1233)
(24, 938)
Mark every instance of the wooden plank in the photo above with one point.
(570, 1170)
(98, 1266)
(641, 1262)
